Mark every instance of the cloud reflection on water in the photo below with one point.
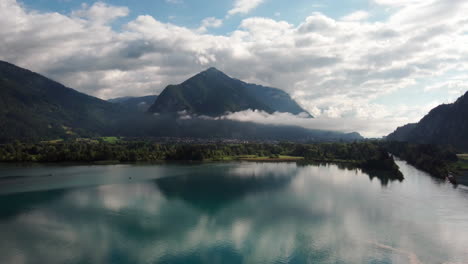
(247, 212)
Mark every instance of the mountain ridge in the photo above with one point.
(34, 108)
(213, 93)
(446, 124)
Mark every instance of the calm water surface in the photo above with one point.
(228, 213)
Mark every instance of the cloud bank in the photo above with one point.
(335, 68)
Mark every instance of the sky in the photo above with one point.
(358, 65)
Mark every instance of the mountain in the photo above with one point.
(402, 133)
(35, 107)
(141, 104)
(446, 124)
(276, 99)
(213, 93)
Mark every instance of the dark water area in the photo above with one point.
(237, 212)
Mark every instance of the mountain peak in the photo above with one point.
(211, 74)
(212, 69)
(214, 93)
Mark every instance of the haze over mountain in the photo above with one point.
(142, 103)
(445, 124)
(213, 93)
(33, 107)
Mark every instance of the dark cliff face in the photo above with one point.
(213, 93)
(445, 124)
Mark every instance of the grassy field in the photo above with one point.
(55, 141)
(462, 163)
(278, 158)
(257, 158)
(111, 140)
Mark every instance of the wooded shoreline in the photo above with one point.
(369, 155)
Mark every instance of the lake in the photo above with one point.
(237, 212)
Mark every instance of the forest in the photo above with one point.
(369, 155)
(437, 160)
(88, 150)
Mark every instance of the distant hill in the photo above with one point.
(141, 104)
(446, 124)
(213, 93)
(34, 107)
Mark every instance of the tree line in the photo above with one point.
(369, 155)
(133, 151)
(437, 160)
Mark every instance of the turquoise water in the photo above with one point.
(228, 213)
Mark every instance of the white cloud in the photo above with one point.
(333, 68)
(100, 13)
(370, 124)
(244, 6)
(210, 22)
(424, 14)
(356, 16)
(455, 87)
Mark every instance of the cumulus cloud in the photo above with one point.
(210, 22)
(356, 16)
(335, 68)
(244, 6)
(100, 13)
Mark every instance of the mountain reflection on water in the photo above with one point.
(213, 190)
(231, 213)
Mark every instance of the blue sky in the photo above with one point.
(357, 65)
(190, 13)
